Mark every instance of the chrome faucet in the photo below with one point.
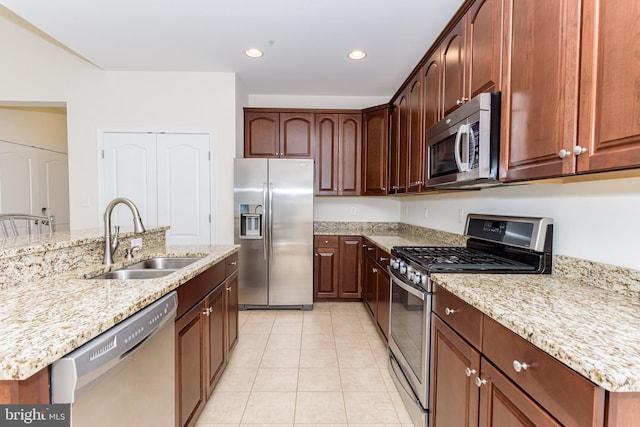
(111, 243)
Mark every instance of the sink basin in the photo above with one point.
(133, 274)
(163, 263)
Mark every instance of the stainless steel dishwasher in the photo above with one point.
(126, 375)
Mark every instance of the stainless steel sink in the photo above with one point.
(134, 274)
(163, 263)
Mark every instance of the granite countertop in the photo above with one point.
(44, 320)
(586, 315)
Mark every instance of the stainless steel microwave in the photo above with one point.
(463, 148)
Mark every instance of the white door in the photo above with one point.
(167, 176)
(130, 171)
(17, 177)
(183, 188)
(54, 187)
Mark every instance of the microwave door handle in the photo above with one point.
(456, 149)
(471, 157)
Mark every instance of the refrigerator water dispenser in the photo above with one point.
(250, 223)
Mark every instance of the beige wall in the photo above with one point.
(42, 72)
(43, 127)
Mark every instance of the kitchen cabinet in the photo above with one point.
(374, 150)
(337, 153)
(416, 147)
(539, 88)
(432, 90)
(337, 267)
(325, 267)
(514, 383)
(453, 49)
(376, 283)
(206, 323)
(270, 133)
(608, 125)
(399, 144)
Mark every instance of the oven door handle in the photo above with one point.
(413, 291)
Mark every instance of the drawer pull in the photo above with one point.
(208, 311)
(326, 241)
(449, 311)
(517, 366)
(233, 263)
(480, 382)
(382, 258)
(469, 371)
(374, 270)
(229, 289)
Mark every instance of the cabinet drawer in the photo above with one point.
(382, 257)
(568, 396)
(230, 264)
(462, 317)
(192, 291)
(326, 241)
(370, 249)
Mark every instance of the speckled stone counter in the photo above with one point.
(46, 318)
(586, 314)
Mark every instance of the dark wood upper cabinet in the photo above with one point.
(374, 150)
(609, 125)
(349, 154)
(539, 88)
(399, 145)
(327, 135)
(432, 90)
(415, 152)
(453, 50)
(297, 135)
(484, 47)
(261, 134)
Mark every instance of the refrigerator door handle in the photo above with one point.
(264, 227)
(270, 219)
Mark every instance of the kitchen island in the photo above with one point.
(52, 306)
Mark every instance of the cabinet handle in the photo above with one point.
(449, 311)
(369, 248)
(416, 183)
(384, 189)
(233, 263)
(469, 371)
(462, 100)
(326, 241)
(375, 270)
(382, 258)
(394, 187)
(519, 366)
(563, 153)
(577, 150)
(229, 289)
(480, 382)
(207, 312)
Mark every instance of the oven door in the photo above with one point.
(409, 334)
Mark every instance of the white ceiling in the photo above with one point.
(305, 41)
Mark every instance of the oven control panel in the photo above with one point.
(409, 274)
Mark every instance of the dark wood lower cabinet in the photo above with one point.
(205, 335)
(370, 294)
(336, 268)
(384, 301)
(376, 283)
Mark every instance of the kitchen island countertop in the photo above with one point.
(45, 319)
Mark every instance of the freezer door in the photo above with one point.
(290, 218)
(250, 186)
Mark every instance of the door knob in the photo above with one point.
(577, 150)
(563, 153)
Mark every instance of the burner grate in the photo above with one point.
(460, 258)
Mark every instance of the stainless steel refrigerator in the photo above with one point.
(273, 223)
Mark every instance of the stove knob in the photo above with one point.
(395, 264)
(417, 278)
(403, 267)
(410, 275)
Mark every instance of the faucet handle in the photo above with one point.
(128, 253)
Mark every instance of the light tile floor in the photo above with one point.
(326, 367)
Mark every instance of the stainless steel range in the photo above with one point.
(496, 244)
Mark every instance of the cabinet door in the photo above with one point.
(384, 300)
(325, 273)
(190, 377)
(539, 88)
(399, 157)
(502, 404)
(484, 46)
(374, 152)
(394, 146)
(431, 86)
(415, 160)
(454, 395)
(261, 134)
(184, 188)
(609, 128)
(296, 135)
(370, 276)
(231, 288)
(349, 271)
(349, 159)
(453, 66)
(327, 153)
(215, 336)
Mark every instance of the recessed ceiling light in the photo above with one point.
(357, 54)
(253, 53)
